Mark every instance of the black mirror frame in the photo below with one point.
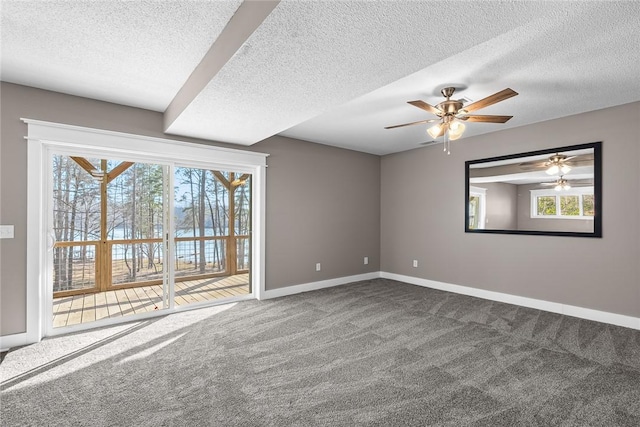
(597, 186)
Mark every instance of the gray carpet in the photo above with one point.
(375, 353)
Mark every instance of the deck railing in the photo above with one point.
(96, 266)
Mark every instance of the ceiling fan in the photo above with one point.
(451, 113)
(559, 163)
(564, 184)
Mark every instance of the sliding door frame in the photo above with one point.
(45, 138)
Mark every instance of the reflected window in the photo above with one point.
(477, 208)
(576, 204)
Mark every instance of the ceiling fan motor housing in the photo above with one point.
(557, 158)
(450, 108)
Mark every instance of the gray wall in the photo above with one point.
(502, 205)
(422, 217)
(323, 205)
(337, 190)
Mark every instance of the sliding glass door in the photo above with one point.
(109, 250)
(211, 208)
(132, 237)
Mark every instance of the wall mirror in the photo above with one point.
(556, 192)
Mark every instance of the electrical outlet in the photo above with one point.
(6, 231)
(415, 263)
(318, 266)
(366, 260)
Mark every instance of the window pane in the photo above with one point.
(201, 200)
(243, 207)
(588, 205)
(546, 205)
(197, 256)
(474, 209)
(136, 262)
(74, 267)
(135, 212)
(76, 201)
(569, 205)
(134, 203)
(242, 251)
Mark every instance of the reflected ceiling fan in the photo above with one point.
(565, 184)
(559, 164)
(451, 114)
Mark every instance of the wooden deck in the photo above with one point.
(73, 310)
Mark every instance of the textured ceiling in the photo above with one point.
(136, 53)
(333, 72)
(308, 57)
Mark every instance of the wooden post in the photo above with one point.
(232, 249)
(231, 185)
(105, 253)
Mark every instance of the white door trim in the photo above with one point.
(45, 136)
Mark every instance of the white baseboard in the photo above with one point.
(306, 287)
(554, 307)
(14, 340)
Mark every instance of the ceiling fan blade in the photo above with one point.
(572, 182)
(578, 164)
(575, 161)
(533, 165)
(486, 119)
(490, 100)
(533, 168)
(582, 158)
(426, 107)
(412, 123)
(581, 184)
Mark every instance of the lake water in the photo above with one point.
(185, 251)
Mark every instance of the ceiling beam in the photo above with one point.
(242, 24)
(115, 172)
(222, 179)
(85, 164)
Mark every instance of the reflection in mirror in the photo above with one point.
(552, 192)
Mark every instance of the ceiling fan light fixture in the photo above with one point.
(562, 184)
(435, 130)
(565, 169)
(553, 170)
(456, 129)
